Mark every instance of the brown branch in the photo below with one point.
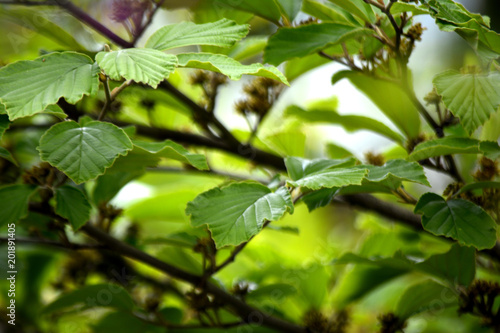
(246, 312)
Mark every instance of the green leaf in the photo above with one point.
(237, 212)
(4, 124)
(289, 43)
(27, 87)
(171, 150)
(14, 201)
(299, 167)
(477, 185)
(271, 290)
(264, 8)
(56, 111)
(452, 16)
(289, 8)
(490, 149)
(422, 297)
(361, 280)
(358, 8)
(223, 33)
(83, 152)
(444, 146)
(389, 98)
(98, 295)
(471, 97)
(457, 266)
(233, 69)
(5, 154)
(290, 142)
(395, 171)
(351, 123)
(108, 185)
(73, 205)
(401, 7)
(327, 12)
(124, 322)
(320, 198)
(459, 219)
(248, 48)
(331, 178)
(140, 65)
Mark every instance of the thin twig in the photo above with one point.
(82, 16)
(143, 28)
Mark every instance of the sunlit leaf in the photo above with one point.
(289, 8)
(46, 79)
(73, 205)
(289, 43)
(328, 12)
(358, 8)
(471, 97)
(148, 66)
(237, 212)
(444, 146)
(459, 219)
(330, 178)
(223, 33)
(477, 186)
(83, 152)
(395, 171)
(171, 150)
(299, 167)
(233, 69)
(401, 7)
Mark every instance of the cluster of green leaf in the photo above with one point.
(224, 206)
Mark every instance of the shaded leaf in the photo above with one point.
(14, 201)
(289, 8)
(109, 184)
(233, 69)
(98, 295)
(471, 97)
(423, 297)
(459, 219)
(320, 198)
(83, 152)
(5, 154)
(140, 65)
(276, 290)
(457, 266)
(223, 33)
(68, 74)
(289, 43)
(237, 212)
(477, 185)
(73, 205)
(4, 124)
(124, 322)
